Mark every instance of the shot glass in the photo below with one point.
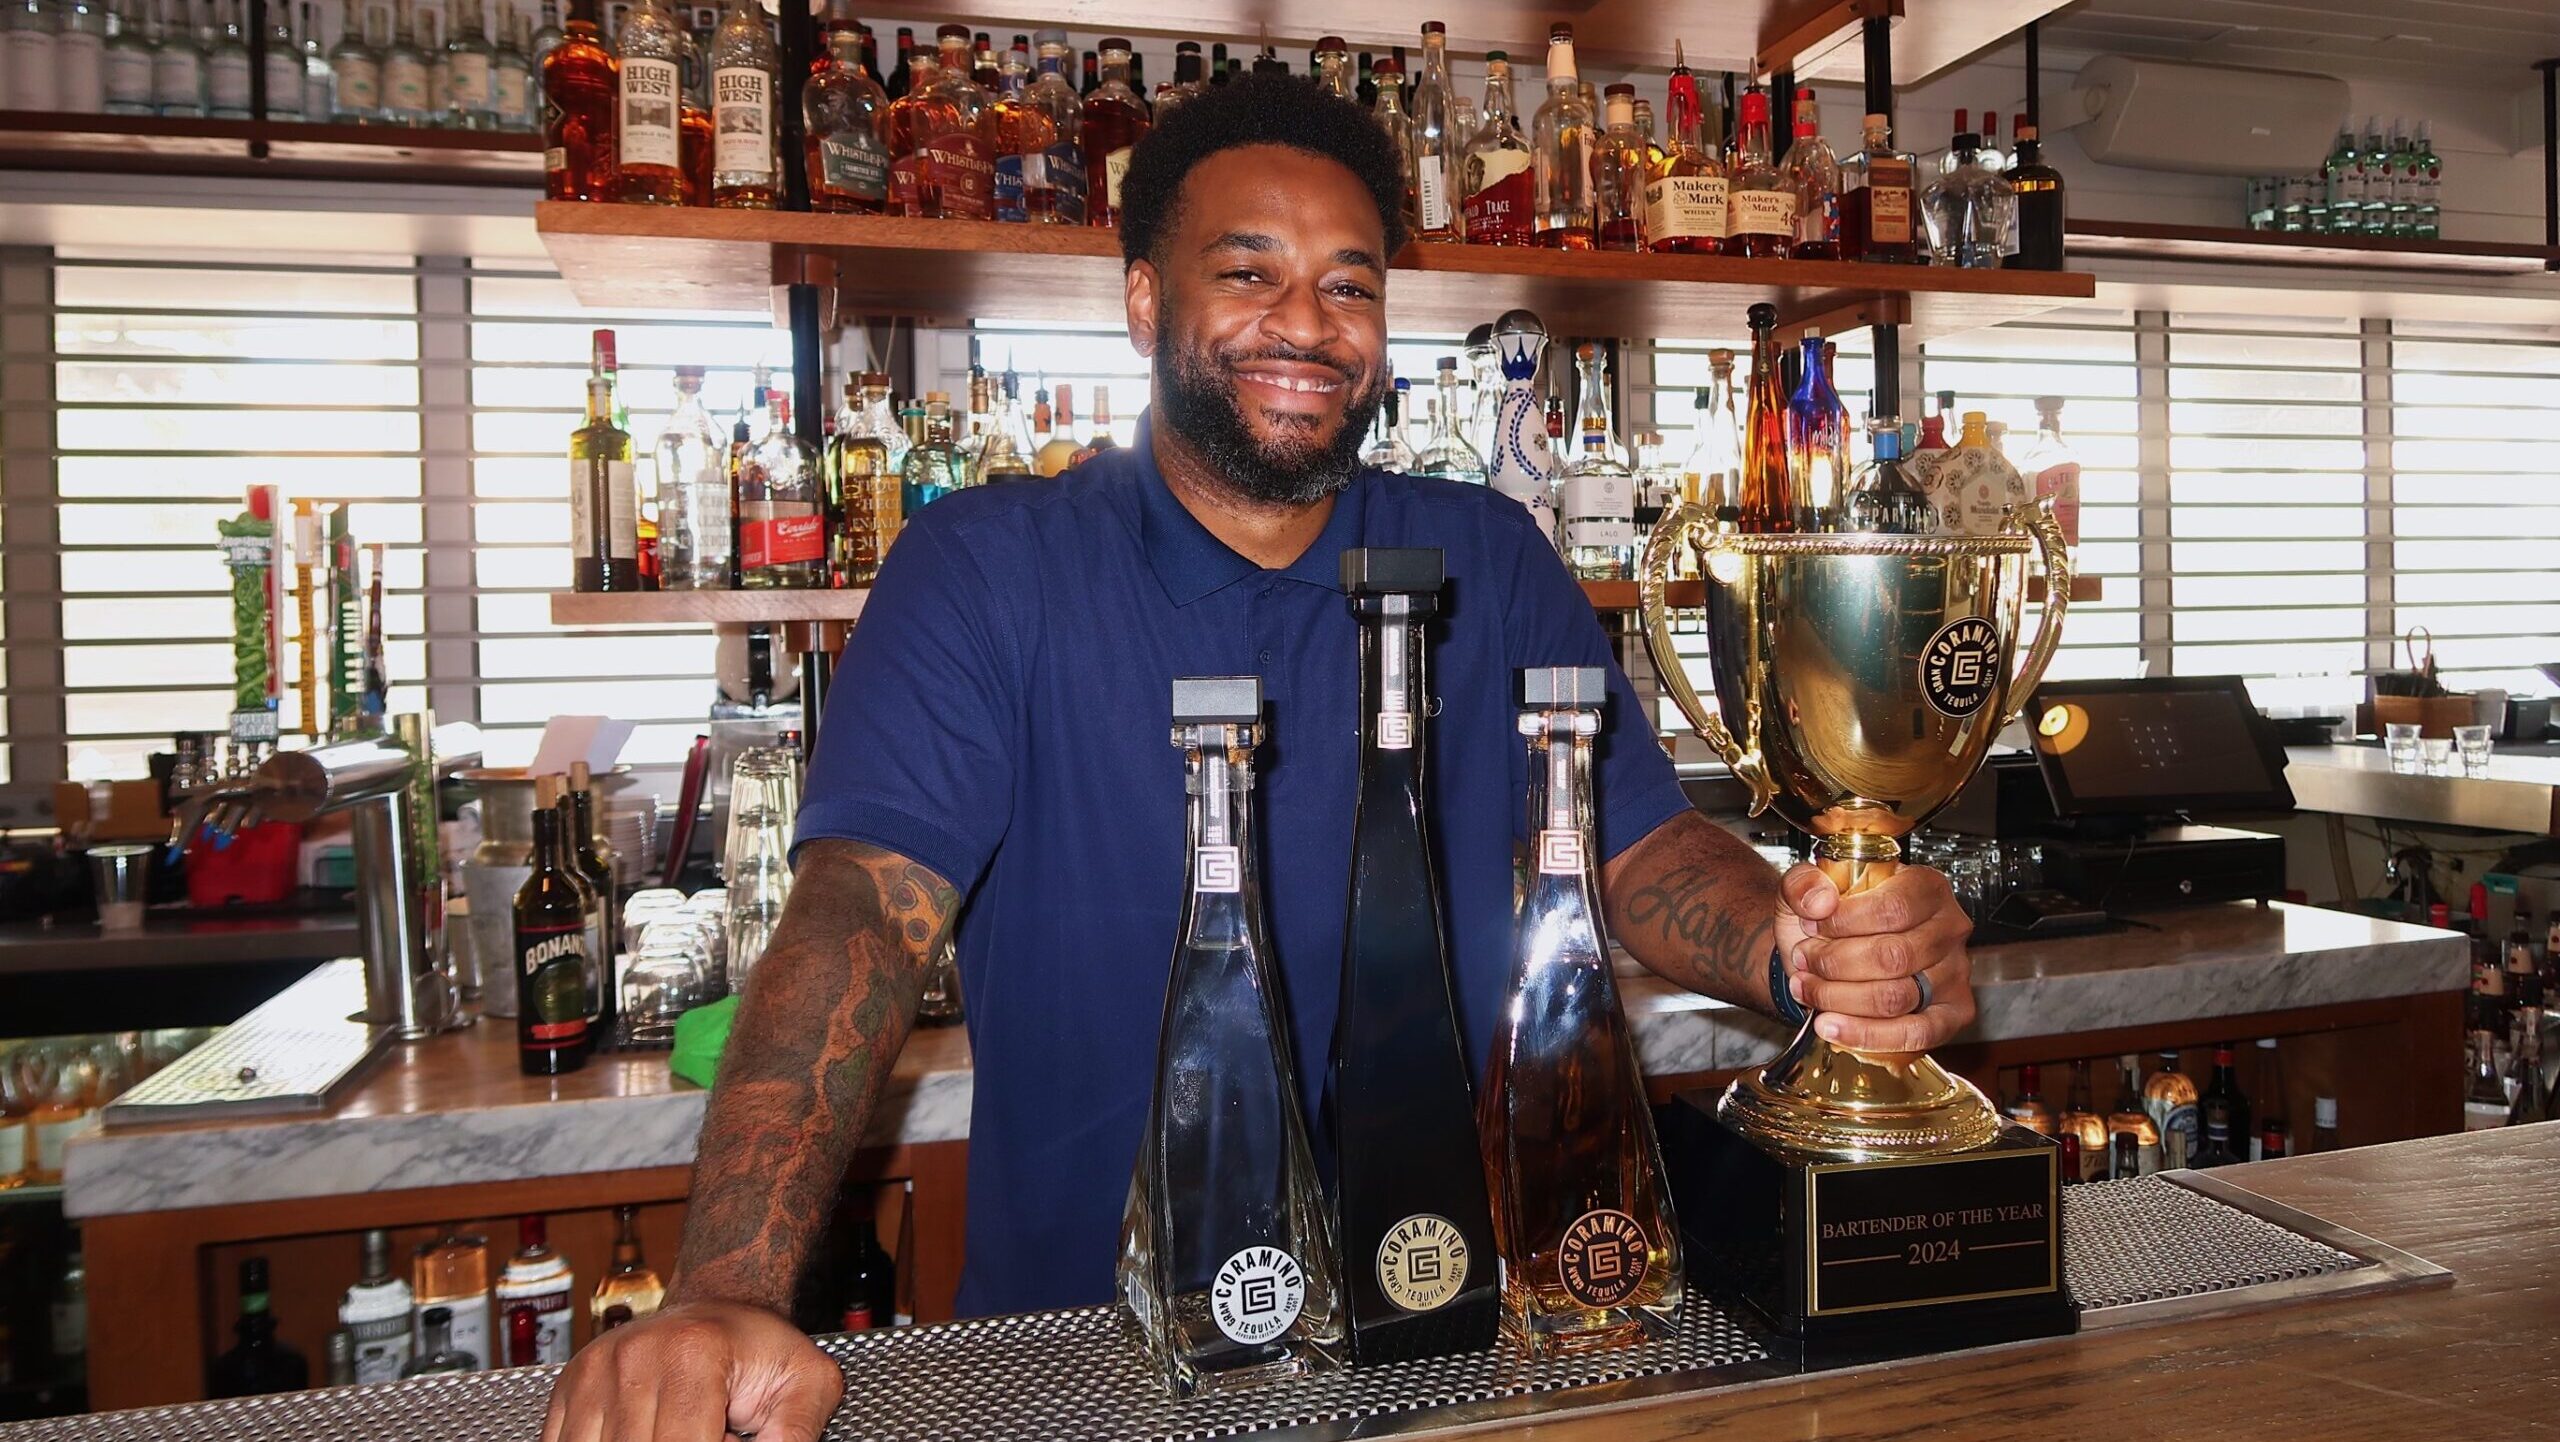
(2435, 756)
(2400, 740)
(2473, 743)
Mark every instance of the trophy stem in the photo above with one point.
(1826, 1101)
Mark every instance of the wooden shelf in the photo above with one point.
(2142, 240)
(587, 608)
(160, 145)
(953, 271)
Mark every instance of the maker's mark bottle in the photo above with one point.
(1590, 1249)
(1226, 1258)
(1417, 1239)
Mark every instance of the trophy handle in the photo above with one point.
(2057, 599)
(1661, 553)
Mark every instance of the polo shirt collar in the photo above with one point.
(1191, 563)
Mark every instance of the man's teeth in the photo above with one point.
(1295, 383)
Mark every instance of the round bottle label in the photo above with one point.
(1422, 1262)
(1257, 1294)
(1602, 1260)
(1960, 669)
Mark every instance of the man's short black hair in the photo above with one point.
(1264, 109)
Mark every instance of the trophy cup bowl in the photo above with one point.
(1859, 681)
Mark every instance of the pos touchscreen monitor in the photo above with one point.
(2157, 746)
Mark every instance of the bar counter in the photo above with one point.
(448, 1129)
(2468, 1355)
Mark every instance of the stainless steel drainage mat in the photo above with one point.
(2138, 1250)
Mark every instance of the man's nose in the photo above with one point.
(1297, 316)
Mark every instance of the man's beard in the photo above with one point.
(1196, 389)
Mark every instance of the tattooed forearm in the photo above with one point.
(1698, 908)
(822, 1020)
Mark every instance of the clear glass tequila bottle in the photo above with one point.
(1590, 1247)
(1226, 1269)
(693, 494)
(1595, 497)
(1448, 455)
(1410, 1209)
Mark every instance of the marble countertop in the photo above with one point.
(454, 1111)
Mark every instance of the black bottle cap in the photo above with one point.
(1378, 571)
(1576, 688)
(437, 1316)
(1762, 316)
(1217, 700)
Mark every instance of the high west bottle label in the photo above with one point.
(648, 129)
(741, 120)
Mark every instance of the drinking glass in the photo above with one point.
(711, 907)
(666, 979)
(2473, 743)
(2400, 740)
(764, 798)
(2435, 755)
(647, 905)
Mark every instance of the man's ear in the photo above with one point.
(1146, 289)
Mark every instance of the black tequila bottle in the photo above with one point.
(1409, 1197)
(1590, 1249)
(1227, 1268)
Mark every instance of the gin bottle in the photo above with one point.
(1226, 1266)
(1409, 1198)
(1590, 1249)
(1517, 461)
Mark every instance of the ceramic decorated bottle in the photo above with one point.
(1519, 464)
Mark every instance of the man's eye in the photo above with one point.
(1352, 290)
(1241, 274)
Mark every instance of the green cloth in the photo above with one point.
(701, 1035)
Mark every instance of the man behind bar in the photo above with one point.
(999, 733)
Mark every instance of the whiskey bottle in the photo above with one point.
(2080, 1119)
(1590, 1248)
(781, 532)
(745, 69)
(604, 531)
(1763, 202)
(1499, 183)
(1113, 119)
(1560, 144)
(945, 166)
(628, 1283)
(2169, 1099)
(1053, 182)
(1620, 165)
(649, 61)
(2028, 1108)
(578, 110)
(694, 136)
(1876, 195)
(1813, 172)
(550, 950)
(1226, 1269)
(1684, 196)
(1059, 451)
(2130, 1129)
(842, 109)
(1409, 1198)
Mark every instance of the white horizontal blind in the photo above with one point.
(179, 386)
(529, 350)
(2267, 503)
(2088, 357)
(2475, 499)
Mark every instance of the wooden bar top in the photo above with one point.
(2479, 1359)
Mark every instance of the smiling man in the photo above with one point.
(999, 734)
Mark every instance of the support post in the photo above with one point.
(2550, 157)
(1877, 32)
(805, 305)
(799, 54)
(2035, 79)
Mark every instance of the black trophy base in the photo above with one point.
(1460, 1325)
(1862, 1261)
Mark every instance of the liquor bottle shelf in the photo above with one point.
(2143, 240)
(613, 608)
(952, 271)
(1621, 595)
(168, 145)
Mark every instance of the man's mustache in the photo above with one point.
(1285, 352)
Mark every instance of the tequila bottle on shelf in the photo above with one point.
(1448, 455)
(1226, 1268)
(1519, 463)
(1817, 443)
(1417, 1238)
(1590, 1248)
(1596, 498)
(693, 487)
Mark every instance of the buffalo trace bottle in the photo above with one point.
(1226, 1266)
(1590, 1249)
(551, 950)
(1497, 180)
(1409, 1198)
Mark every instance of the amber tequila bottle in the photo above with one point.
(1226, 1269)
(1498, 182)
(629, 1285)
(1766, 500)
(1763, 203)
(745, 76)
(841, 109)
(1618, 171)
(1877, 188)
(649, 60)
(1561, 142)
(1417, 1239)
(1113, 121)
(1684, 197)
(578, 107)
(1590, 1248)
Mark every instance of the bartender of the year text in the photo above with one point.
(995, 752)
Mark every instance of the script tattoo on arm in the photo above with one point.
(1698, 907)
(824, 1016)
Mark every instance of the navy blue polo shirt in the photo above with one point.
(1002, 714)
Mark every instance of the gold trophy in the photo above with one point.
(1860, 679)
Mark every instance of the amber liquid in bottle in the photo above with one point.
(1590, 1247)
(1767, 502)
(1114, 120)
(578, 105)
(629, 1287)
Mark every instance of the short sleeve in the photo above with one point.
(916, 745)
(1551, 623)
